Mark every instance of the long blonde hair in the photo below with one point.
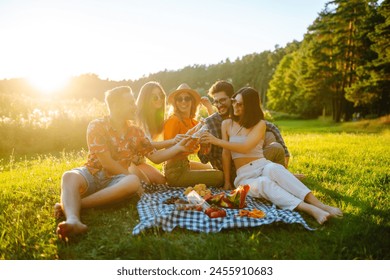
(150, 120)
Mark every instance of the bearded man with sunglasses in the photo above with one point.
(274, 148)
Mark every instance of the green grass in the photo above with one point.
(345, 165)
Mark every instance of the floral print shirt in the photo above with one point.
(130, 146)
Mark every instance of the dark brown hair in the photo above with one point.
(252, 108)
(221, 86)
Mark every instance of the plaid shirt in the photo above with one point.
(129, 147)
(278, 137)
(214, 123)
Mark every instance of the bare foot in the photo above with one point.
(300, 176)
(333, 211)
(320, 215)
(67, 228)
(58, 212)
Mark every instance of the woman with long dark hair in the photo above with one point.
(242, 141)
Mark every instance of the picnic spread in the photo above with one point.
(207, 210)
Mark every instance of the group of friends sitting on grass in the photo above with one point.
(234, 144)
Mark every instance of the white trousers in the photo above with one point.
(273, 182)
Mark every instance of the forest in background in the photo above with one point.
(340, 69)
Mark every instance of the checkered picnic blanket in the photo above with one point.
(154, 213)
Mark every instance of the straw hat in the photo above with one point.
(184, 88)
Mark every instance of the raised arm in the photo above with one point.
(206, 103)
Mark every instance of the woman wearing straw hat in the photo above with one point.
(179, 171)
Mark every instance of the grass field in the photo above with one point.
(347, 165)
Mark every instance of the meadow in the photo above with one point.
(347, 165)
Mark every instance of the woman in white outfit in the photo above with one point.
(242, 140)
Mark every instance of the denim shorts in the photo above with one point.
(98, 181)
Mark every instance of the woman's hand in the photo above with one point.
(208, 138)
(187, 144)
(178, 138)
(195, 128)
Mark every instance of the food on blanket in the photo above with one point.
(218, 214)
(235, 199)
(255, 213)
(215, 212)
(238, 195)
(188, 190)
(215, 199)
(171, 200)
(189, 207)
(194, 198)
(201, 189)
(208, 211)
(225, 202)
(208, 196)
(181, 201)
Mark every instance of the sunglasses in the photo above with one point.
(221, 101)
(157, 97)
(235, 102)
(181, 99)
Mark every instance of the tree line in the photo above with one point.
(341, 67)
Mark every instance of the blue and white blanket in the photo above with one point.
(154, 213)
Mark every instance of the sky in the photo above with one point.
(49, 40)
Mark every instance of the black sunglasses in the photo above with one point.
(235, 102)
(181, 99)
(157, 97)
(221, 101)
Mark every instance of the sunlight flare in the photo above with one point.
(48, 83)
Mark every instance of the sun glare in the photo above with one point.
(48, 83)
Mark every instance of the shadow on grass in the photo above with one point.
(363, 235)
